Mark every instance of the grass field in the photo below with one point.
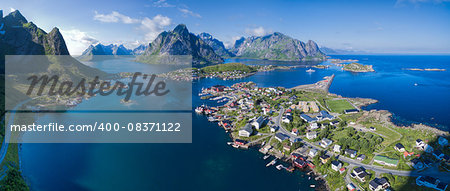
(339, 105)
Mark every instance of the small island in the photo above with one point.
(226, 71)
(357, 67)
(425, 69)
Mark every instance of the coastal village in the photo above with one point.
(307, 128)
(228, 71)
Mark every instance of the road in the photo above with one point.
(433, 172)
(5, 144)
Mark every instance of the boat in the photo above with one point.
(415, 84)
(230, 143)
(263, 143)
(280, 166)
(312, 186)
(235, 146)
(310, 70)
(290, 169)
(266, 157)
(199, 110)
(271, 162)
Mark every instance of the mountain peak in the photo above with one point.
(57, 43)
(277, 46)
(205, 35)
(215, 44)
(15, 18)
(181, 42)
(181, 29)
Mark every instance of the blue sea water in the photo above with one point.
(208, 163)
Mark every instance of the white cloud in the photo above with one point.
(77, 41)
(418, 2)
(162, 3)
(151, 26)
(114, 17)
(258, 31)
(187, 12)
(154, 26)
(230, 43)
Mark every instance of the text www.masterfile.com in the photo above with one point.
(99, 126)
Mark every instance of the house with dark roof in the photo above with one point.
(350, 152)
(336, 165)
(324, 158)
(258, 122)
(334, 122)
(379, 184)
(349, 111)
(281, 137)
(307, 118)
(246, 131)
(420, 143)
(431, 182)
(416, 163)
(361, 157)
(360, 174)
(324, 115)
(399, 147)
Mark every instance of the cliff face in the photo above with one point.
(181, 42)
(25, 38)
(277, 46)
(215, 44)
(140, 49)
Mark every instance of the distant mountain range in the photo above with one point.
(332, 51)
(277, 46)
(180, 41)
(24, 37)
(216, 45)
(111, 49)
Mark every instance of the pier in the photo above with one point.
(320, 86)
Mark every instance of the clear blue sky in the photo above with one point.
(403, 26)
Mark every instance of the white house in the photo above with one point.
(325, 142)
(337, 148)
(420, 143)
(246, 131)
(273, 129)
(258, 122)
(311, 135)
(294, 131)
(314, 126)
(285, 119)
(336, 165)
(313, 152)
